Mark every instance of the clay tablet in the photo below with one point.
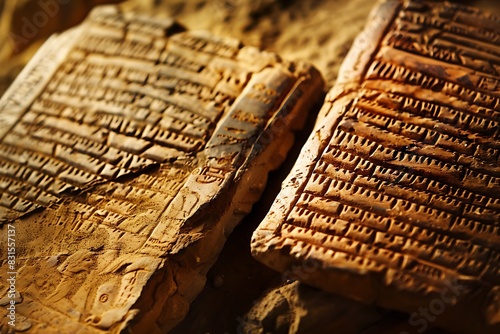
(395, 199)
(129, 150)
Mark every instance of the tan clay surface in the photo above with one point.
(395, 196)
(129, 150)
(320, 31)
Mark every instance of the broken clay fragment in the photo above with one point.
(129, 150)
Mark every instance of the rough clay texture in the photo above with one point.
(395, 197)
(129, 150)
(320, 31)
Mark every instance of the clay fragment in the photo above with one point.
(295, 308)
(396, 195)
(129, 150)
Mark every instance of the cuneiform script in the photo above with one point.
(397, 193)
(129, 149)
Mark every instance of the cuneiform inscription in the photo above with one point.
(95, 120)
(139, 148)
(399, 185)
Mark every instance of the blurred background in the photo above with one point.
(321, 31)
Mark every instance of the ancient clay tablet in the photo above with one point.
(395, 199)
(129, 150)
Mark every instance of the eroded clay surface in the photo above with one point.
(395, 196)
(129, 150)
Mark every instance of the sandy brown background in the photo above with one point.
(320, 31)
